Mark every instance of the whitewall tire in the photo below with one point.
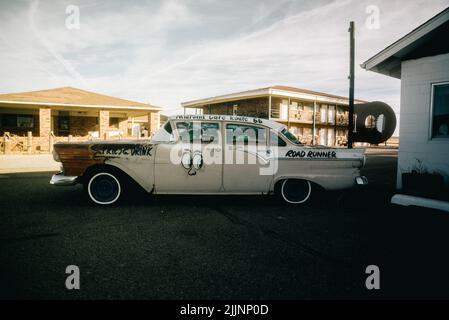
(296, 191)
(104, 188)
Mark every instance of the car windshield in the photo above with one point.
(290, 136)
(164, 134)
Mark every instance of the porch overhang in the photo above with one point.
(132, 111)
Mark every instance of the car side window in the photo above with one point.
(244, 135)
(210, 132)
(184, 131)
(275, 140)
(204, 132)
(164, 134)
(168, 128)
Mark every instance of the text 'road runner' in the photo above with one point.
(311, 154)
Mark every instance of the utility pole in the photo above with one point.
(351, 85)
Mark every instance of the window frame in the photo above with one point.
(170, 134)
(431, 115)
(15, 123)
(279, 137)
(178, 136)
(225, 126)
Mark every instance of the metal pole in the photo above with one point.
(351, 85)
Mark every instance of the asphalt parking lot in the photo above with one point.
(178, 247)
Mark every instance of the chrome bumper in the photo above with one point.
(60, 179)
(361, 181)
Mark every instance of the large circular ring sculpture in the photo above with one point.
(375, 122)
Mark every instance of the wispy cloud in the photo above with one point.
(166, 52)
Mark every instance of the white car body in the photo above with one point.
(242, 157)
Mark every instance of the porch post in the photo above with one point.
(29, 142)
(45, 128)
(269, 106)
(153, 122)
(103, 124)
(123, 126)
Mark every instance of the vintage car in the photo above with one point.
(209, 154)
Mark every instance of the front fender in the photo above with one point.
(139, 170)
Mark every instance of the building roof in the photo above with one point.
(68, 96)
(281, 91)
(428, 39)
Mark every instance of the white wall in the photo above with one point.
(415, 142)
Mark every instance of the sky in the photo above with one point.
(170, 51)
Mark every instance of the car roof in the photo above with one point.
(219, 117)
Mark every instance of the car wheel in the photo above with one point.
(296, 191)
(104, 188)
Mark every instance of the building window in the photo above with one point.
(284, 110)
(323, 111)
(331, 114)
(63, 123)
(440, 110)
(113, 123)
(234, 109)
(17, 121)
(25, 121)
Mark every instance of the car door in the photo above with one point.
(194, 138)
(246, 159)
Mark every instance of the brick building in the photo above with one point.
(34, 120)
(314, 117)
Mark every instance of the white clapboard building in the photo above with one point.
(421, 60)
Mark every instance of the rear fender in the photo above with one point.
(345, 180)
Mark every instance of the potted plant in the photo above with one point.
(419, 182)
